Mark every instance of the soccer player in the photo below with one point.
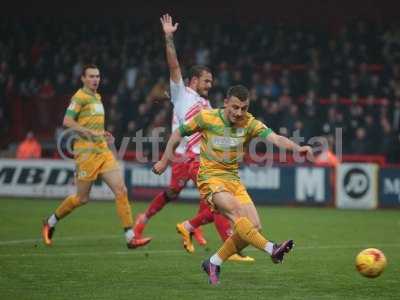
(93, 158)
(224, 133)
(187, 102)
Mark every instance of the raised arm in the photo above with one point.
(172, 59)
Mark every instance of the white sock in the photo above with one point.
(129, 235)
(188, 226)
(52, 221)
(269, 247)
(216, 260)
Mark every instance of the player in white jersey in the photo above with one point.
(187, 102)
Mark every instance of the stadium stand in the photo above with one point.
(311, 79)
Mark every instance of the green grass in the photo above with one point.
(89, 259)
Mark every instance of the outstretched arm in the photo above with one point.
(172, 59)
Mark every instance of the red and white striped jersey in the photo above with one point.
(187, 103)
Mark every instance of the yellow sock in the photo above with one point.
(232, 245)
(240, 244)
(68, 205)
(228, 249)
(249, 234)
(124, 210)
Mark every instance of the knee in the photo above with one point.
(258, 226)
(82, 199)
(171, 195)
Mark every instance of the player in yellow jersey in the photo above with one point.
(224, 135)
(93, 158)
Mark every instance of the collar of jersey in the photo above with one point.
(86, 91)
(221, 115)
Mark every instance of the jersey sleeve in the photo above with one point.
(194, 125)
(177, 91)
(259, 129)
(74, 108)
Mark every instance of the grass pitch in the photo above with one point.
(89, 259)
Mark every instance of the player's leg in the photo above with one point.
(206, 217)
(246, 221)
(154, 207)
(222, 225)
(65, 208)
(203, 213)
(189, 228)
(247, 227)
(179, 177)
(224, 228)
(116, 183)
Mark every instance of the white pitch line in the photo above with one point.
(69, 238)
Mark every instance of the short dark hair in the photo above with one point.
(197, 71)
(88, 66)
(239, 91)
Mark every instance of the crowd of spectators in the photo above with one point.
(305, 78)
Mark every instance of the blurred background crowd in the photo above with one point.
(307, 78)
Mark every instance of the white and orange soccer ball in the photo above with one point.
(371, 262)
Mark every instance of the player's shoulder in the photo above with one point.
(209, 114)
(249, 119)
(83, 97)
(80, 97)
(251, 122)
(209, 117)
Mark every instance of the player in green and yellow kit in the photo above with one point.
(224, 136)
(93, 158)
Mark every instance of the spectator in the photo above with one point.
(360, 144)
(326, 157)
(29, 148)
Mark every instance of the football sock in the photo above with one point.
(68, 205)
(250, 234)
(156, 205)
(216, 260)
(124, 210)
(232, 245)
(239, 242)
(52, 221)
(223, 226)
(129, 235)
(269, 247)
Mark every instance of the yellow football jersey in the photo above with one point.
(222, 144)
(87, 109)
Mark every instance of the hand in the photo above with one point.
(167, 25)
(109, 137)
(307, 151)
(160, 167)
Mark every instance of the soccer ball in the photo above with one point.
(371, 262)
